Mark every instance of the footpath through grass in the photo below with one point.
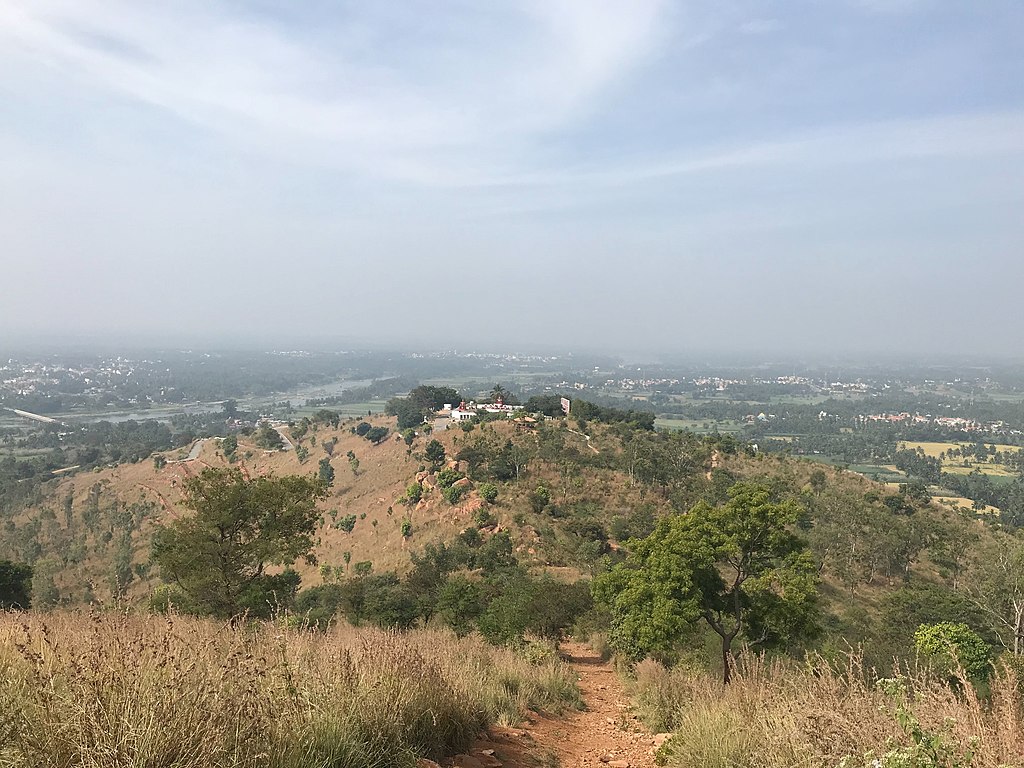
(114, 690)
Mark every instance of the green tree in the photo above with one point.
(738, 567)
(540, 497)
(269, 438)
(326, 473)
(409, 414)
(376, 435)
(434, 453)
(460, 603)
(219, 555)
(949, 645)
(15, 585)
(996, 586)
(489, 492)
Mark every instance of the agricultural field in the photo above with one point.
(960, 458)
(699, 426)
(963, 504)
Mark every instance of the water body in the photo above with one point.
(297, 398)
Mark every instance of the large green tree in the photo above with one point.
(219, 555)
(15, 585)
(738, 567)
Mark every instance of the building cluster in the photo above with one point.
(957, 423)
(465, 411)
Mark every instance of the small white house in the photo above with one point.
(462, 413)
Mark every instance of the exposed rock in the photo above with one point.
(661, 738)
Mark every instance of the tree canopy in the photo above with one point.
(219, 555)
(421, 401)
(737, 567)
(15, 585)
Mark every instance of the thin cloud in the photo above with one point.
(256, 85)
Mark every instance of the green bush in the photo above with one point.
(453, 493)
(488, 492)
(540, 498)
(447, 477)
(950, 645)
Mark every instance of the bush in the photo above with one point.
(540, 498)
(488, 492)
(447, 477)
(453, 493)
(413, 493)
(484, 518)
(952, 646)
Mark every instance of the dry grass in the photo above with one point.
(778, 715)
(124, 691)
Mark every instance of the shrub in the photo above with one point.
(540, 498)
(488, 492)
(447, 477)
(484, 518)
(413, 493)
(952, 646)
(453, 493)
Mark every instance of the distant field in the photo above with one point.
(349, 409)
(936, 449)
(956, 466)
(960, 502)
(700, 426)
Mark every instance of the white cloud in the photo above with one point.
(265, 87)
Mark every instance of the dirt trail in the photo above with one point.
(604, 735)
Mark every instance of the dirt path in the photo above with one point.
(605, 734)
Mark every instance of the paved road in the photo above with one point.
(287, 443)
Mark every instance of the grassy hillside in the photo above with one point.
(568, 494)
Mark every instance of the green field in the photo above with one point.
(700, 426)
(347, 410)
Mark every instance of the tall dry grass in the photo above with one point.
(777, 715)
(127, 691)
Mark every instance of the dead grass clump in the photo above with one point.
(777, 714)
(117, 690)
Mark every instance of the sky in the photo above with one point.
(728, 175)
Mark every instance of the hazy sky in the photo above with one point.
(653, 175)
